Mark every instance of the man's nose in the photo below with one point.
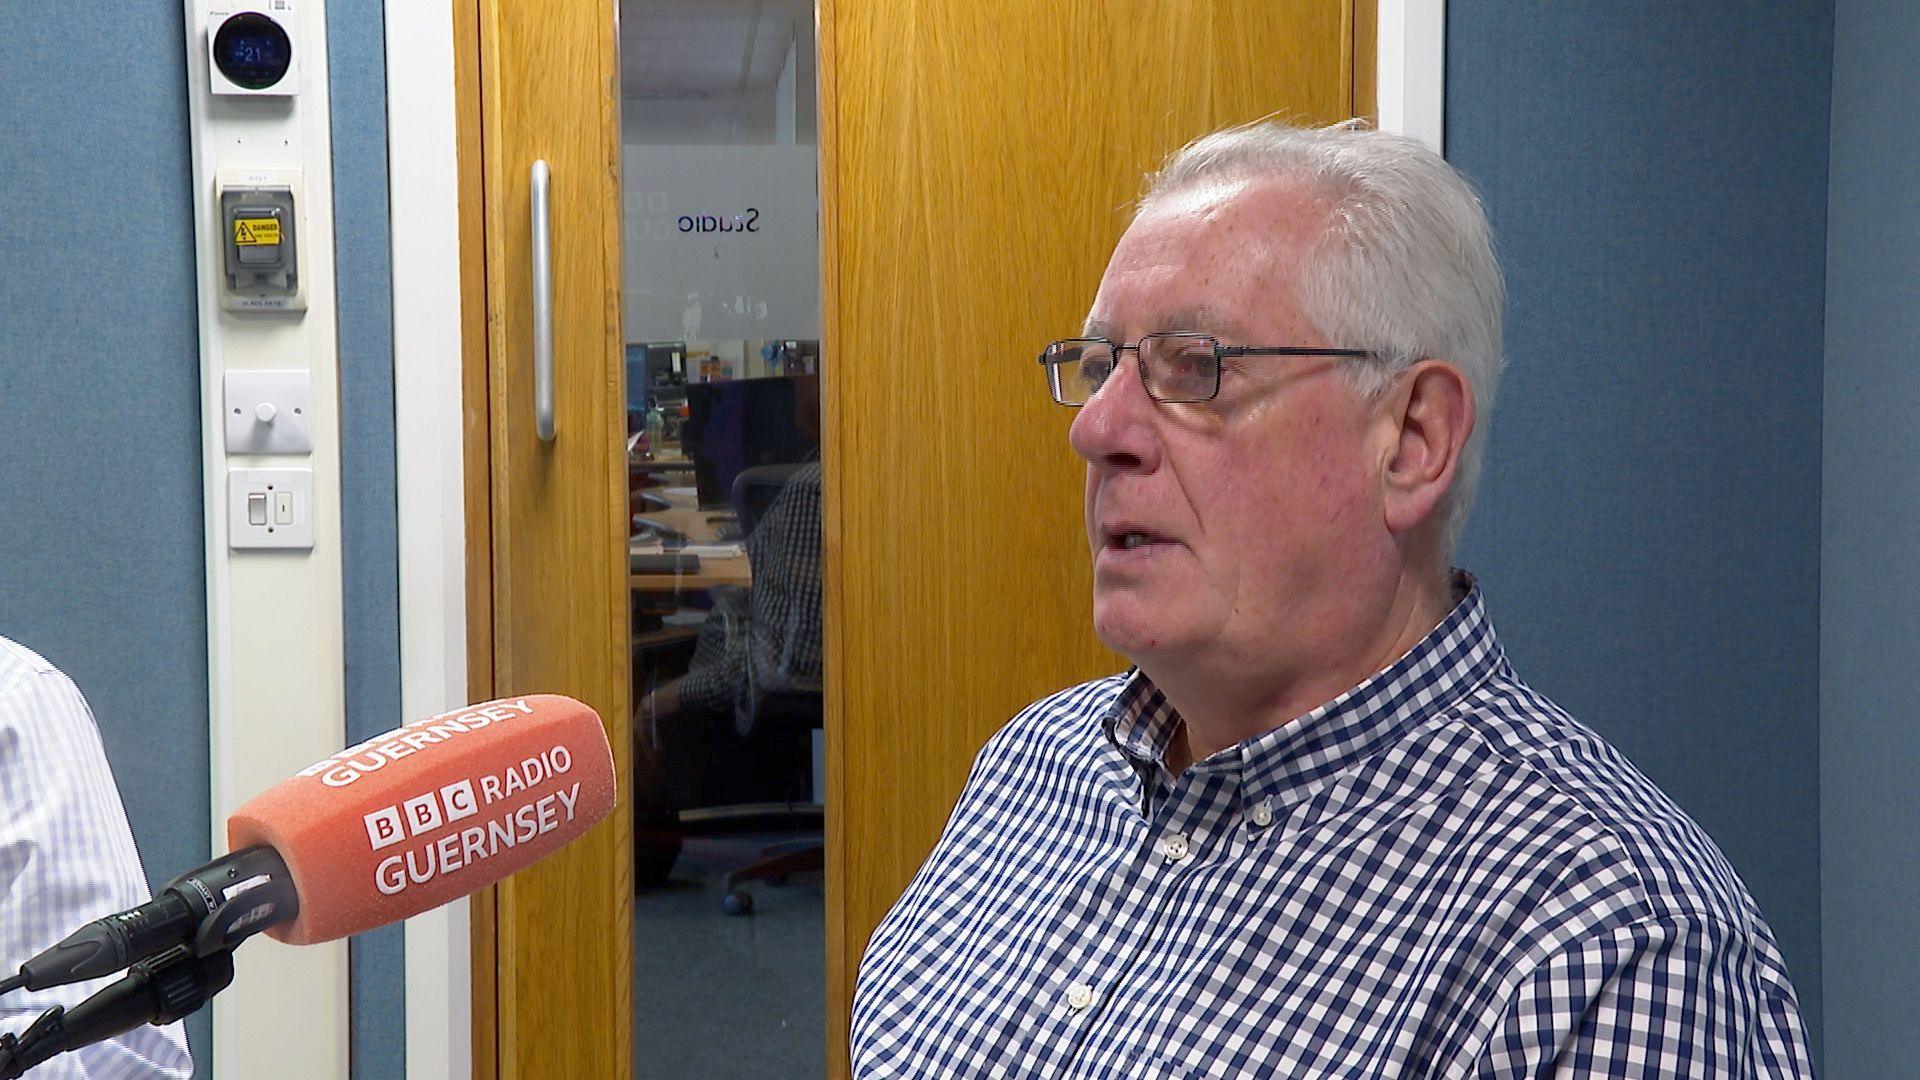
(1115, 428)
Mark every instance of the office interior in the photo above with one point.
(1698, 493)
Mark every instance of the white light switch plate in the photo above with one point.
(283, 398)
(269, 483)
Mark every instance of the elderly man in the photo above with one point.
(1322, 829)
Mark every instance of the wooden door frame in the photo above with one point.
(477, 468)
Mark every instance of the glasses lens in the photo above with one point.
(1181, 367)
(1075, 369)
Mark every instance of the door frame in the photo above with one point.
(439, 324)
(1410, 69)
(428, 319)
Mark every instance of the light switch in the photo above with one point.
(270, 509)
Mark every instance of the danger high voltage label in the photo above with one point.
(255, 232)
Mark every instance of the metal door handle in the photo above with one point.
(542, 307)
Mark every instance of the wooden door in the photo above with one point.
(978, 161)
(547, 516)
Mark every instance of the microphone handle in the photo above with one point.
(213, 908)
(156, 991)
(109, 944)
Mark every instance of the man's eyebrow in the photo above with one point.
(1201, 320)
(1207, 320)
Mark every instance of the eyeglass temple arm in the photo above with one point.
(1291, 350)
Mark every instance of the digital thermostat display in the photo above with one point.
(252, 50)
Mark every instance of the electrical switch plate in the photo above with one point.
(269, 412)
(284, 498)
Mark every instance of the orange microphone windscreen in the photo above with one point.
(431, 811)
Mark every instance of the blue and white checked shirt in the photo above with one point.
(1437, 874)
(66, 858)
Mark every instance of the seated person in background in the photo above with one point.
(66, 859)
(765, 638)
(1323, 828)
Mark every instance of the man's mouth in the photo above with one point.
(1128, 539)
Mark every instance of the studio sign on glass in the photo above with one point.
(706, 223)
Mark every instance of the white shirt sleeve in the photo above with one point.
(66, 858)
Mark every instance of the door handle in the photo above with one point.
(542, 305)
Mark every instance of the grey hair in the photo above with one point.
(1405, 266)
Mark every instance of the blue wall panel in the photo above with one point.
(1648, 532)
(1870, 593)
(101, 510)
(356, 61)
(102, 566)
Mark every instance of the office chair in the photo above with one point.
(756, 488)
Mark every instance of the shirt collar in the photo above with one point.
(1280, 764)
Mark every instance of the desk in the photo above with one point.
(714, 569)
(664, 462)
(686, 520)
(722, 570)
(661, 465)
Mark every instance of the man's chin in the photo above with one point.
(1139, 635)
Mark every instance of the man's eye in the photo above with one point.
(1092, 373)
(1188, 365)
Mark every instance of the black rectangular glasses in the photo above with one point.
(1174, 366)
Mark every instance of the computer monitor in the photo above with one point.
(655, 372)
(740, 423)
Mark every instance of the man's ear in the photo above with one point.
(1431, 409)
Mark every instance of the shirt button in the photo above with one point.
(1173, 847)
(1263, 813)
(1079, 996)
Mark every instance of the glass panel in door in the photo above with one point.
(721, 298)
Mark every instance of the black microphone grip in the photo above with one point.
(158, 990)
(212, 908)
(110, 944)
